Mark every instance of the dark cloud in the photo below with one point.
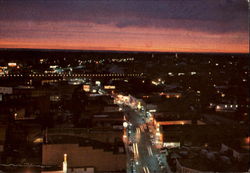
(213, 16)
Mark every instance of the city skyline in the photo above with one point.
(164, 26)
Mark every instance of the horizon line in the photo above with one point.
(117, 51)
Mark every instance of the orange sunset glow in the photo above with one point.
(109, 32)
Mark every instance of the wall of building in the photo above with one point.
(2, 138)
(101, 135)
(101, 160)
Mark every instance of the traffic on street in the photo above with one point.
(142, 142)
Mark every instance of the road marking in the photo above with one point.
(134, 149)
(142, 128)
(139, 132)
(145, 169)
(136, 146)
(150, 151)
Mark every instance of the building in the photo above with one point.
(94, 150)
(113, 120)
(206, 159)
(84, 156)
(2, 139)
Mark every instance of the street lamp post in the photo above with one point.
(65, 164)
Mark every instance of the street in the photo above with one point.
(144, 157)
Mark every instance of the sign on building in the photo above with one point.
(109, 87)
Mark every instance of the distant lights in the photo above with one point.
(155, 83)
(12, 64)
(218, 107)
(49, 74)
(181, 74)
(170, 74)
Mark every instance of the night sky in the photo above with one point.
(173, 25)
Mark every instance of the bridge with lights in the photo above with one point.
(74, 75)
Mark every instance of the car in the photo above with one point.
(162, 166)
(160, 163)
(133, 170)
(132, 165)
(137, 162)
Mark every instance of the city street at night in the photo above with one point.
(147, 157)
(134, 86)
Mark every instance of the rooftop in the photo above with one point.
(208, 159)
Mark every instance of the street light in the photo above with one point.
(65, 164)
(157, 129)
(125, 124)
